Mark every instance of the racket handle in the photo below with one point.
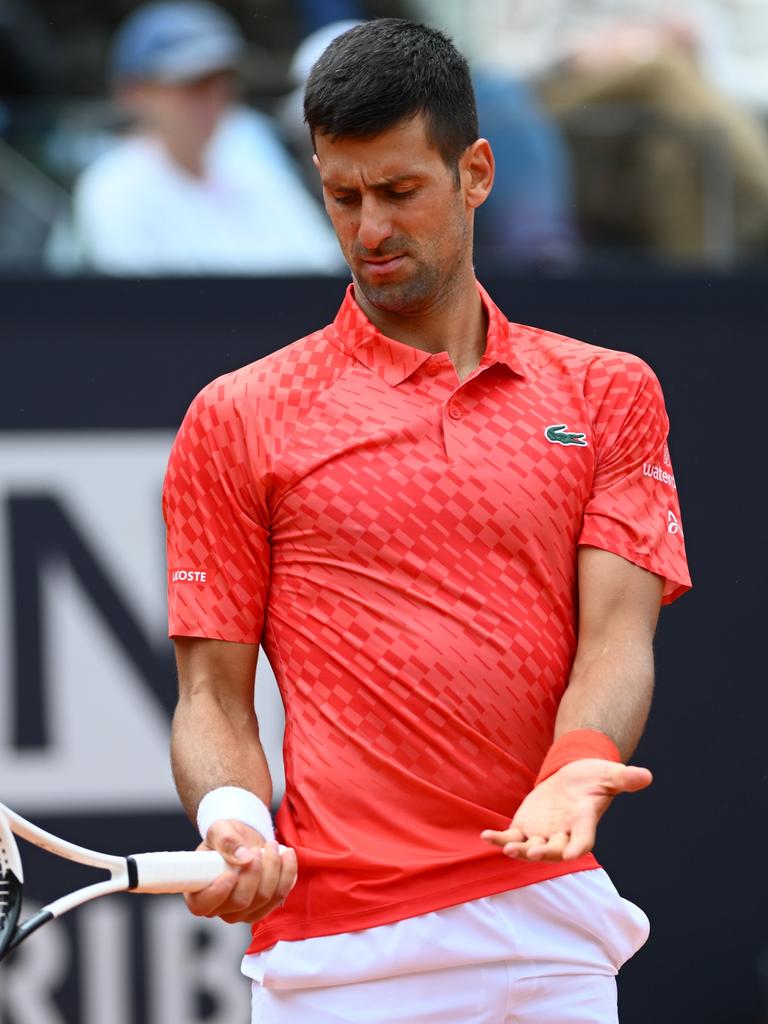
(185, 871)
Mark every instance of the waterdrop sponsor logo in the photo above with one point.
(657, 473)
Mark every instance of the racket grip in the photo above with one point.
(185, 871)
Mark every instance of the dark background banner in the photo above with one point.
(93, 365)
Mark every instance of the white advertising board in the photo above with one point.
(86, 691)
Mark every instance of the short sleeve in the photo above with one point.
(633, 508)
(217, 525)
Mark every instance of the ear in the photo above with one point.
(476, 167)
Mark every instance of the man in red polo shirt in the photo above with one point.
(407, 508)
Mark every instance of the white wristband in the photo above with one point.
(240, 804)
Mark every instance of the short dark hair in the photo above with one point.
(383, 72)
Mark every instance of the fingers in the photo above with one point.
(260, 878)
(514, 843)
(581, 840)
(262, 887)
(511, 835)
(253, 891)
(531, 848)
(544, 848)
(558, 819)
(635, 778)
(289, 875)
(612, 779)
(206, 902)
(234, 841)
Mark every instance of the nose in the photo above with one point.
(375, 225)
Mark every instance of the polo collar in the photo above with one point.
(395, 361)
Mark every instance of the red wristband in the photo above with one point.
(575, 746)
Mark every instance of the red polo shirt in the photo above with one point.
(403, 544)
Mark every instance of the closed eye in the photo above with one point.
(347, 198)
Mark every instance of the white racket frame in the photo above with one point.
(162, 872)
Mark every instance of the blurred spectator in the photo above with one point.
(670, 149)
(290, 112)
(203, 185)
(733, 46)
(527, 219)
(529, 216)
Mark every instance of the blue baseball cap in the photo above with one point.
(175, 41)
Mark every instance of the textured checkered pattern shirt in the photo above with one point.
(403, 544)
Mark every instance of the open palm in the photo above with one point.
(558, 819)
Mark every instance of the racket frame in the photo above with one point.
(12, 884)
(184, 871)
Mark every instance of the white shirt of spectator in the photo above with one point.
(527, 38)
(137, 213)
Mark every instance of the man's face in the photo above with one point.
(187, 111)
(403, 224)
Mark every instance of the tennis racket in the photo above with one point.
(184, 871)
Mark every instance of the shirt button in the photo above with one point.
(433, 369)
(455, 412)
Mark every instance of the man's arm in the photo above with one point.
(611, 681)
(610, 691)
(215, 742)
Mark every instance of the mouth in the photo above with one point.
(381, 266)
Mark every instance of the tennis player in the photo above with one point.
(452, 535)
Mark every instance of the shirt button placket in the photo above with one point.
(452, 428)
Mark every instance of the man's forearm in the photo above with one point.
(211, 746)
(610, 690)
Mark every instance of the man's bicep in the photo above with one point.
(219, 668)
(615, 594)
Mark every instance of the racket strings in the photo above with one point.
(10, 888)
(5, 899)
(5, 888)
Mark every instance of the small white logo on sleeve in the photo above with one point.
(657, 473)
(188, 576)
(673, 524)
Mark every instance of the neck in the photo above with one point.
(454, 321)
(190, 157)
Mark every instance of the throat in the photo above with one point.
(458, 328)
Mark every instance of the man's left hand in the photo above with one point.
(558, 819)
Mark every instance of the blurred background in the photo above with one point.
(160, 224)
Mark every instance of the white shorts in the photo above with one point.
(544, 954)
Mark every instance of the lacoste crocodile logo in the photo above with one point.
(558, 434)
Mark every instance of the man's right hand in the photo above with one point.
(260, 878)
